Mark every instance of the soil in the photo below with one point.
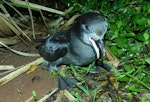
(20, 89)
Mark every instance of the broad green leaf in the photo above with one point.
(34, 94)
(127, 57)
(134, 88)
(135, 48)
(142, 21)
(121, 42)
(147, 60)
(140, 37)
(136, 18)
(119, 23)
(148, 8)
(146, 35)
(123, 79)
(131, 34)
(148, 22)
(131, 10)
(127, 68)
(117, 52)
(120, 52)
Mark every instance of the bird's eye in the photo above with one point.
(86, 27)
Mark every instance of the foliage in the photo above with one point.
(128, 37)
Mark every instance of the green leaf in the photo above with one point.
(113, 27)
(134, 88)
(147, 60)
(19, 91)
(127, 57)
(120, 52)
(148, 8)
(34, 94)
(121, 42)
(131, 10)
(136, 18)
(84, 89)
(127, 68)
(142, 21)
(146, 35)
(148, 22)
(117, 52)
(131, 34)
(78, 97)
(135, 48)
(119, 23)
(140, 37)
(123, 79)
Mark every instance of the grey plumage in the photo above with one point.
(79, 45)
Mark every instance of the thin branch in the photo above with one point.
(19, 71)
(31, 17)
(39, 7)
(15, 10)
(18, 52)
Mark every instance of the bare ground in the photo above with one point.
(20, 89)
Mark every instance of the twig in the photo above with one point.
(71, 8)
(68, 95)
(48, 95)
(19, 29)
(71, 20)
(9, 41)
(30, 99)
(15, 10)
(6, 72)
(31, 17)
(6, 20)
(20, 71)
(60, 96)
(112, 59)
(64, 93)
(18, 52)
(7, 67)
(43, 18)
(39, 7)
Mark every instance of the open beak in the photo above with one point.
(99, 44)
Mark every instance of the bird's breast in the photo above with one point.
(79, 53)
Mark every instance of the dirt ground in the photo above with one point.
(20, 89)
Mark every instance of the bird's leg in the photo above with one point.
(50, 66)
(99, 64)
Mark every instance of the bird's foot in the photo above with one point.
(49, 67)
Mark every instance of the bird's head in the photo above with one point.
(91, 30)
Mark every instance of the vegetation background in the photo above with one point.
(128, 38)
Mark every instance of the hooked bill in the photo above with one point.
(95, 47)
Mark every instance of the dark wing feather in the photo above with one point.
(54, 47)
(60, 52)
(62, 37)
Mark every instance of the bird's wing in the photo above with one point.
(62, 37)
(58, 53)
(57, 46)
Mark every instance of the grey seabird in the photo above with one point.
(80, 45)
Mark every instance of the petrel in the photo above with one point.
(80, 45)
